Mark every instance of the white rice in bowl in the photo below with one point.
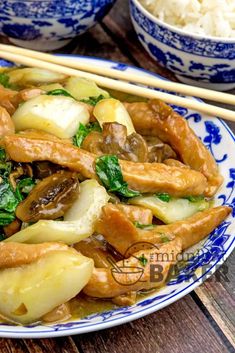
(208, 17)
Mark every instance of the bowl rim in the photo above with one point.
(179, 30)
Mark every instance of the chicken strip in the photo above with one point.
(136, 213)
(144, 177)
(195, 228)
(15, 254)
(10, 99)
(28, 146)
(156, 118)
(26, 94)
(158, 177)
(59, 314)
(175, 163)
(96, 247)
(144, 270)
(6, 99)
(126, 299)
(121, 233)
(12, 228)
(6, 124)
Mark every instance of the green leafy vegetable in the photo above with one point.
(24, 186)
(93, 100)
(110, 174)
(195, 198)
(59, 92)
(142, 259)
(8, 203)
(83, 131)
(163, 196)
(5, 167)
(164, 238)
(143, 226)
(2, 155)
(6, 218)
(4, 80)
(8, 199)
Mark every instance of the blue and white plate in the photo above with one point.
(209, 255)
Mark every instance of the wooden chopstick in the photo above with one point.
(130, 77)
(122, 86)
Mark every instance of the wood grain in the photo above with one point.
(217, 296)
(181, 327)
(118, 25)
(59, 345)
(12, 346)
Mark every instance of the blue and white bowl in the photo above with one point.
(49, 24)
(199, 60)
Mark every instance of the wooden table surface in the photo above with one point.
(203, 321)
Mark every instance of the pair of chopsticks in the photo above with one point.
(101, 75)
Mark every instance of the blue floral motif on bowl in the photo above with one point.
(192, 57)
(50, 20)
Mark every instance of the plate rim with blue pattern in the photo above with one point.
(211, 253)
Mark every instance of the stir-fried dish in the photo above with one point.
(95, 194)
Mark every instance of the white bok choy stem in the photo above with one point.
(78, 221)
(54, 279)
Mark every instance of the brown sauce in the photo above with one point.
(84, 306)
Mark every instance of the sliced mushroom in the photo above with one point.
(157, 150)
(42, 170)
(114, 140)
(20, 169)
(93, 143)
(96, 249)
(49, 199)
(18, 172)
